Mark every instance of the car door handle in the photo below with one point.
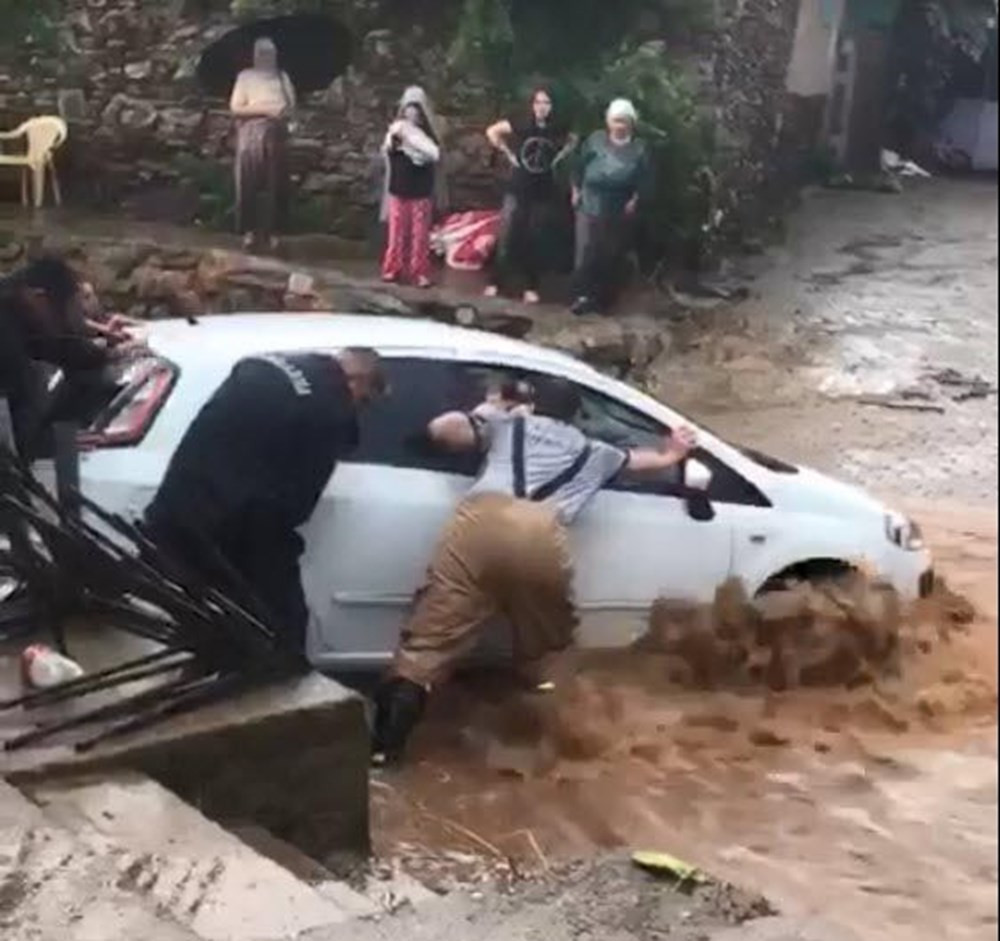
(758, 539)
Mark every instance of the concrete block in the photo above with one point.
(53, 887)
(189, 868)
(291, 757)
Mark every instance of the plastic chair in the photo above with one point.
(43, 136)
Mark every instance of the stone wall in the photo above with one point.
(752, 52)
(143, 133)
(144, 137)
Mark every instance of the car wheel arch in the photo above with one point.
(817, 568)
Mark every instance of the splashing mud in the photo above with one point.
(774, 749)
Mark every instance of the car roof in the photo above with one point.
(230, 337)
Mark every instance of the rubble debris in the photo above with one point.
(901, 404)
(962, 387)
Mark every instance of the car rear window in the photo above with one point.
(118, 406)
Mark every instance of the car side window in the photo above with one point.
(609, 420)
(392, 428)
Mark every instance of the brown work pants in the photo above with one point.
(498, 557)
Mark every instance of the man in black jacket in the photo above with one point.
(250, 470)
(38, 323)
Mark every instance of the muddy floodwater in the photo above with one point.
(876, 807)
(859, 351)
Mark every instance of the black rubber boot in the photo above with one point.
(399, 706)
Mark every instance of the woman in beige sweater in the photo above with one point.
(262, 102)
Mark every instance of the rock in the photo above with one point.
(137, 71)
(72, 104)
(154, 284)
(720, 722)
(876, 709)
(326, 183)
(187, 69)
(178, 259)
(623, 348)
(335, 96)
(602, 345)
(130, 113)
(179, 124)
(955, 697)
(10, 252)
(767, 737)
(187, 303)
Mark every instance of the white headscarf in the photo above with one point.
(621, 109)
(266, 46)
(417, 145)
(415, 95)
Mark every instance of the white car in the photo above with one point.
(372, 535)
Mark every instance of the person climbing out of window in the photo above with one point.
(41, 322)
(505, 551)
(262, 103)
(534, 143)
(412, 151)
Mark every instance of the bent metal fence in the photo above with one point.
(69, 558)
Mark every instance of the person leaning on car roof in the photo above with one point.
(505, 551)
(250, 470)
(42, 319)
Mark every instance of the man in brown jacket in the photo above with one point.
(505, 550)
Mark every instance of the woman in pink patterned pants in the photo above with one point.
(411, 150)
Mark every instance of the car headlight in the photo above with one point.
(903, 532)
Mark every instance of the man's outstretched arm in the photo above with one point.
(677, 448)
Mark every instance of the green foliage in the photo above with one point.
(262, 9)
(484, 41)
(34, 22)
(588, 52)
(214, 185)
(681, 219)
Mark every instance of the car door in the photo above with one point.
(371, 537)
(636, 541)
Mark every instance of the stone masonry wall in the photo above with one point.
(145, 138)
(140, 125)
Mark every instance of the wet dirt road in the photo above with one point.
(868, 347)
(875, 808)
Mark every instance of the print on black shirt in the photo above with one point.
(536, 148)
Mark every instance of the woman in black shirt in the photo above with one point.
(411, 150)
(534, 144)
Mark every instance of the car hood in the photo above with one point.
(809, 491)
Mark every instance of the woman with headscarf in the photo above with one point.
(262, 101)
(612, 176)
(534, 143)
(411, 151)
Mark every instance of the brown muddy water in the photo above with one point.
(874, 805)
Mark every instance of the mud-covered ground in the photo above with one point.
(874, 809)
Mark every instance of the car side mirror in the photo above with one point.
(697, 476)
(697, 480)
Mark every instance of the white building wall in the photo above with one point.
(810, 71)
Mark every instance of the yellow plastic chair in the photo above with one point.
(43, 136)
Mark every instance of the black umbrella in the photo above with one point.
(313, 50)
